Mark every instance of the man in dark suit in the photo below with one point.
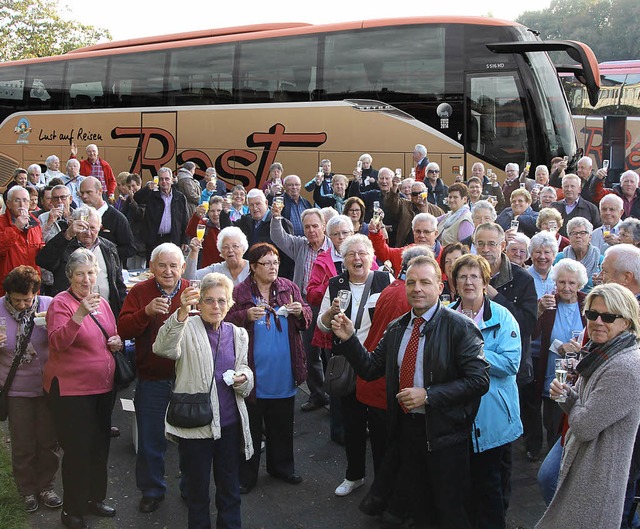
(256, 225)
(574, 205)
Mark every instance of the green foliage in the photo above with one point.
(35, 28)
(12, 513)
(610, 27)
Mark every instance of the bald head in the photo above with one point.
(91, 192)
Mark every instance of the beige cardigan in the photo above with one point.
(188, 344)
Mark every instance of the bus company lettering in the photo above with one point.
(593, 147)
(231, 165)
(72, 135)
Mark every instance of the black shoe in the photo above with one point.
(372, 505)
(292, 479)
(148, 504)
(246, 489)
(100, 509)
(115, 431)
(73, 522)
(312, 405)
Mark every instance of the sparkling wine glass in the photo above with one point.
(195, 283)
(344, 297)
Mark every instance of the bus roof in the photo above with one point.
(251, 32)
(620, 67)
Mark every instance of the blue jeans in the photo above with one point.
(198, 456)
(549, 472)
(151, 401)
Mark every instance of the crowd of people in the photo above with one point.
(441, 322)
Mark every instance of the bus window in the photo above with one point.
(495, 119)
(11, 90)
(86, 81)
(201, 76)
(277, 70)
(44, 86)
(137, 79)
(407, 62)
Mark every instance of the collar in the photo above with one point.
(324, 246)
(427, 315)
(167, 195)
(505, 275)
(571, 205)
(103, 209)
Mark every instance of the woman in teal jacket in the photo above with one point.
(497, 423)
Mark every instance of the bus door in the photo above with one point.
(495, 124)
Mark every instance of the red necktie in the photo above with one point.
(408, 367)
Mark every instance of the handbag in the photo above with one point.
(123, 373)
(340, 377)
(192, 410)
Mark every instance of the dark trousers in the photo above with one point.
(487, 488)
(531, 415)
(83, 426)
(552, 419)
(355, 417)
(34, 445)
(315, 369)
(440, 479)
(277, 417)
(198, 456)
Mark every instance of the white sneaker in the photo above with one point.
(347, 487)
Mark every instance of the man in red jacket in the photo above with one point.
(20, 234)
(97, 167)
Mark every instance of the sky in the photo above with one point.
(127, 19)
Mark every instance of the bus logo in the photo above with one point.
(23, 129)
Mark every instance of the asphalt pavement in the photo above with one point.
(273, 504)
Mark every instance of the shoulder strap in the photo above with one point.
(363, 300)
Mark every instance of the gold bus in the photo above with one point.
(619, 96)
(241, 98)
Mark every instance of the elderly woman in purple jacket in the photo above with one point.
(34, 446)
(272, 310)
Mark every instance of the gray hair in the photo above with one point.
(215, 279)
(574, 177)
(521, 238)
(14, 190)
(312, 211)
(543, 239)
(165, 170)
(408, 181)
(618, 300)
(587, 160)
(81, 257)
(339, 220)
(421, 149)
(189, 166)
(290, 177)
(234, 232)
(485, 204)
(256, 193)
(626, 258)
(542, 168)
(35, 167)
(414, 251)
(431, 166)
(550, 189)
(579, 221)
(422, 217)
(491, 226)
(167, 248)
(328, 213)
(572, 266)
(352, 240)
(630, 173)
(512, 165)
(72, 161)
(51, 159)
(325, 160)
(91, 145)
(338, 177)
(612, 197)
(58, 187)
(366, 158)
(630, 225)
(276, 165)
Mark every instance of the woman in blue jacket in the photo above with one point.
(497, 423)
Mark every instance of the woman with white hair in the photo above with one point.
(560, 318)
(518, 249)
(53, 169)
(580, 249)
(232, 245)
(543, 249)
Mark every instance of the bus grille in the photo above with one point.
(7, 167)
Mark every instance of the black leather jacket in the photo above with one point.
(455, 371)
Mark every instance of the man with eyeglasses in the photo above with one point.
(20, 234)
(425, 233)
(574, 205)
(513, 288)
(305, 250)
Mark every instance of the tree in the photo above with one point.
(35, 28)
(610, 27)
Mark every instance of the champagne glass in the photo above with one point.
(561, 376)
(575, 334)
(194, 283)
(515, 224)
(344, 298)
(606, 230)
(95, 289)
(205, 205)
(553, 226)
(445, 299)
(156, 180)
(200, 231)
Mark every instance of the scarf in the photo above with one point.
(598, 354)
(25, 321)
(268, 304)
(452, 218)
(339, 205)
(591, 261)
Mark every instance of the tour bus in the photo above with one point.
(238, 99)
(619, 96)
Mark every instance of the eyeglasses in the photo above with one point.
(423, 232)
(417, 193)
(490, 244)
(345, 233)
(433, 171)
(63, 197)
(234, 247)
(578, 234)
(354, 210)
(362, 254)
(473, 278)
(212, 301)
(606, 317)
(269, 264)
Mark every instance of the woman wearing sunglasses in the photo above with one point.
(603, 416)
